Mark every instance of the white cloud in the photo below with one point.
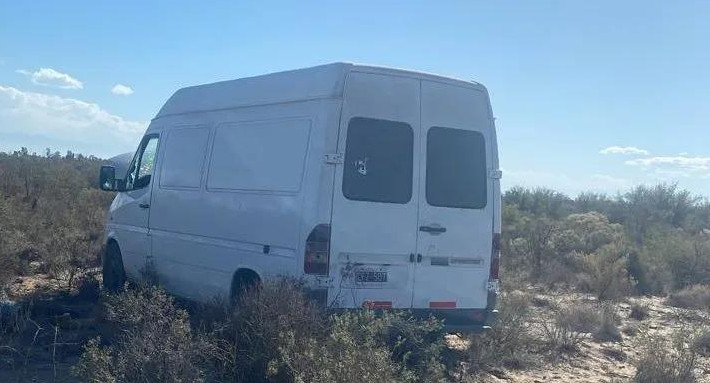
(38, 120)
(668, 163)
(50, 77)
(626, 150)
(122, 90)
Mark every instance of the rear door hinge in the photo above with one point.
(496, 174)
(334, 158)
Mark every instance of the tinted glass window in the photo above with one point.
(456, 168)
(378, 161)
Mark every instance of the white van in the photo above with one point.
(379, 187)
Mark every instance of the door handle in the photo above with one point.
(411, 257)
(432, 229)
(419, 258)
(144, 206)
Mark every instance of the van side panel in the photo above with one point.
(245, 213)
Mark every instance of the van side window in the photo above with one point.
(141, 169)
(456, 168)
(184, 151)
(378, 161)
(266, 156)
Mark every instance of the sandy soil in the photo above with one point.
(607, 362)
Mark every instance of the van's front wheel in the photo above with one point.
(114, 275)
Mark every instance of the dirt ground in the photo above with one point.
(612, 362)
(42, 343)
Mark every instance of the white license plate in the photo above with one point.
(370, 276)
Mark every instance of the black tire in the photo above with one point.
(112, 265)
(244, 281)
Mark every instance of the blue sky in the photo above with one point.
(567, 78)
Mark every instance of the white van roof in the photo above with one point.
(319, 82)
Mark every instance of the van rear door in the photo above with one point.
(376, 193)
(456, 198)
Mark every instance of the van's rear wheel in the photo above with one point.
(244, 281)
(114, 275)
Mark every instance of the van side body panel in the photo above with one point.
(241, 216)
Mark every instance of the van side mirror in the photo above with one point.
(108, 181)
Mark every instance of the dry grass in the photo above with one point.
(509, 343)
(692, 297)
(639, 311)
(664, 359)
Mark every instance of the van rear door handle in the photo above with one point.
(144, 206)
(432, 229)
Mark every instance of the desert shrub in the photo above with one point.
(509, 342)
(416, 344)
(673, 259)
(51, 214)
(639, 311)
(631, 329)
(582, 317)
(362, 346)
(560, 330)
(276, 334)
(605, 273)
(701, 342)
(615, 353)
(608, 329)
(692, 297)
(269, 328)
(273, 335)
(155, 342)
(540, 201)
(586, 233)
(350, 353)
(675, 364)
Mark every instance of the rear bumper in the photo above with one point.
(461, 320)
(455, 320)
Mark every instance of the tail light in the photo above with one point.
(317, 251)
(495, 258)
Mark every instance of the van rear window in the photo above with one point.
(456, 168)
(378, 161)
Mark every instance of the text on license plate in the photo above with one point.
(370, 276)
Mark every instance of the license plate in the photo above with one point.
(369, 276)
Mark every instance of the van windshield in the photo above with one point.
(456, 168)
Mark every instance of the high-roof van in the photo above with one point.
(378, 187)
